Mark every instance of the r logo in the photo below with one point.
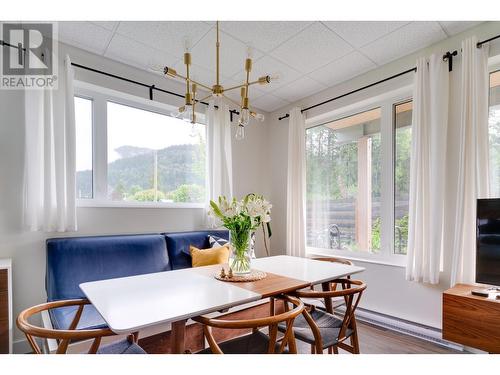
(36, 39)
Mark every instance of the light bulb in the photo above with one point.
(187, 115)
(259, 117)
(240, 132)
(249, 51)
(244, 117)
(276, 77)
(194, 130)
(178, 112)
(186, 43)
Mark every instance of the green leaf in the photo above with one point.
(216, 209)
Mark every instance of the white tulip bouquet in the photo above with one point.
(242, 218)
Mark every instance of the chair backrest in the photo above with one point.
(63, 336)
(334, 260)
(351, 292)
(272, 321)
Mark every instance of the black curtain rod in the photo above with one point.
(479, 44)
(353, 91)
(20, 46)
(150, 87)
(448, 56)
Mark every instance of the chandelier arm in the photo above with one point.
(205, 98)
(242, 85)
(190, 80)
(200, 84)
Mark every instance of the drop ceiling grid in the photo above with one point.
(336, 51)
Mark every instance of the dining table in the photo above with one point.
(129, 304)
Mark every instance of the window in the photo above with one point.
(494, 134)
(83, 125)
(358, 179)
(142, 155)
(343, 163)
(402, 148)
(153, 157)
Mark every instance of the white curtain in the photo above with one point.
(427, 177)
(295, 215)
(472, 157)
(220, 162)
(50, 161)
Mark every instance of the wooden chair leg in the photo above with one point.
(335, 350)
(313, 349)
(292, 344)
(330, 350)
(354, 337)
(355, 343)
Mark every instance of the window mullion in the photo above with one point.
(100, 147)
(387, 174)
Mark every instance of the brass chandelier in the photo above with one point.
(217, 91)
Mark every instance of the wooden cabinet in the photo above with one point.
(471, 320)
(5, 307)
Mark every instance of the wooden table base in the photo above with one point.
(178, 337)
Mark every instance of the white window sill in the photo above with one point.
(394, 260)
(87, 203)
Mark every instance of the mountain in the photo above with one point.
(134, 171)
(131, 151)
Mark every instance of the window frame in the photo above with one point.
(493, 67)
(386, 101)
(100, 96)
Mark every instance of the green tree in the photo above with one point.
(187, 193)
(147, 196)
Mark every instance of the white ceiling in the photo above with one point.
(307, 56)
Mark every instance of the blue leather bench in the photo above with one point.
(75, 260)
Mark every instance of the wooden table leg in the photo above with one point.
(328, 301)
(178, 336)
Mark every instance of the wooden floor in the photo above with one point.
(376, 340)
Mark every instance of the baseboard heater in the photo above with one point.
(404, 326)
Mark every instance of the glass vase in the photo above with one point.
(240, 260)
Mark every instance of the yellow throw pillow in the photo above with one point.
(207, 257)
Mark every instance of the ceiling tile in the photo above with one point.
(169, 36)
(264, 35)
(360, 33)
(269, 103)
(84, 35)
(456, 27)
(299, 89)
(312, 48)
(267, 65)
(232, 53)
(137, 54)
(109, 25)
(343, 69)
(404, 41)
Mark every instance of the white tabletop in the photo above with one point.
(130, 303)
(312, 271)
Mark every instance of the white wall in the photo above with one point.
(388, 292)
(27, 249)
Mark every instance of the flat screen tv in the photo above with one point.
(488, 242)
